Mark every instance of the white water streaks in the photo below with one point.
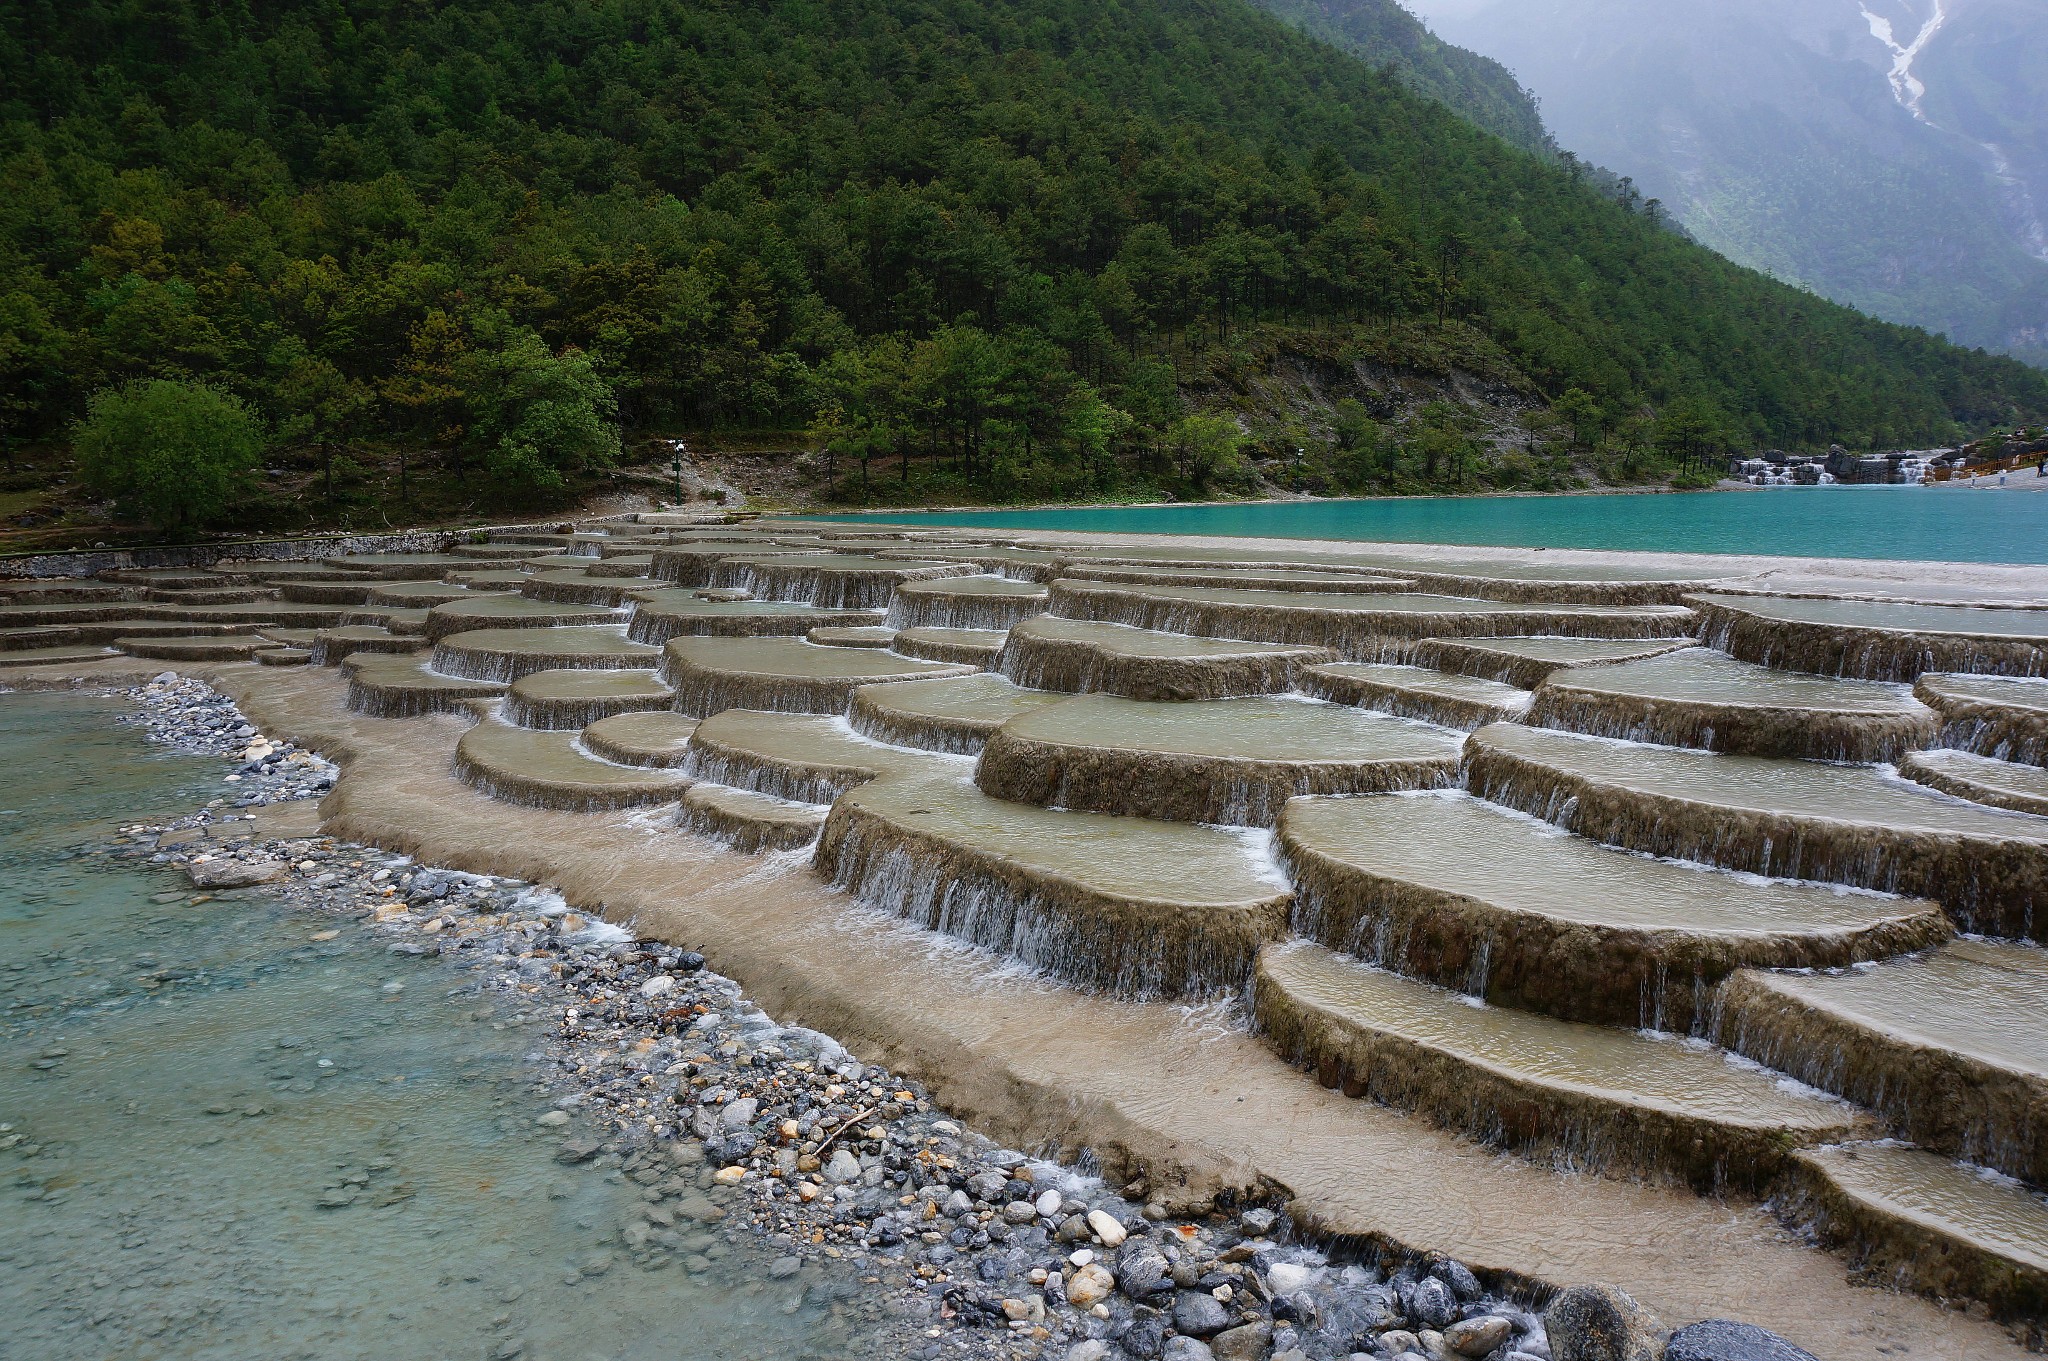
(1906, 87)
(2030, 227)
(2033, 231)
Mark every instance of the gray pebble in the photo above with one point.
(1199, 1314)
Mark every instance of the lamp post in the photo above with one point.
(675, 465)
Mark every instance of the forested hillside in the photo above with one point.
(1384, 34)
(1031, 247)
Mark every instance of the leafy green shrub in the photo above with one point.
(174, 453)
(540, 417)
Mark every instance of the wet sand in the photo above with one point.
(1190, 1100)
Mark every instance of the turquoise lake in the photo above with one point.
(1821, 522)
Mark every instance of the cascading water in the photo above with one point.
(1507, 1000)
(2030, 228)
(1907, 87)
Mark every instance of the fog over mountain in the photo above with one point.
(1891, 154)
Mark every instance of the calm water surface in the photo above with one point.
(1826, 522)
(166, 1149)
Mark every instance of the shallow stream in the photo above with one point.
(222, 1136)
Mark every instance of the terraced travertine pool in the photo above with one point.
(1638, 872)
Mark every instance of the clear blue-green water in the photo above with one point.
(1915, 523)
(164, 1149)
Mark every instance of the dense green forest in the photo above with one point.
(1031, 246)
(1383, 33)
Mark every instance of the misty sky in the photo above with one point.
(1430, 10)
(1890, 154)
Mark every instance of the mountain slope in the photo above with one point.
(1382, 33)
(1012, 237)
(1779, 132)
(1986, 80)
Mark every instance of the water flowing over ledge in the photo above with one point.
(1081, 883)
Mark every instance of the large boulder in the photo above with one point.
(1718, 1339)
(233, 873)
(1601, 1323)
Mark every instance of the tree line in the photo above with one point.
(1013, 241)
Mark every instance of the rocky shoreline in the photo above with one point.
(737, 1127)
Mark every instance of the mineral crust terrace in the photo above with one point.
(1568, 918)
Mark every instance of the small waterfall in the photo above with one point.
(1575, 1133)
(1482, 960)
(2015, 738)
(749, 823)
(652, 628)
(1349, 919)
(1976, 1112)
(1046, 922)
(1809, 734)
(792, 784)
(976, 650)
(1046, 666)
(1215, 790)
(468, 665)
(559, 713)
(1449, 711)
(685, 566)
(409, 701)
(589, 591)
(1989, 884)
(2019, 201)
(1855, 653)
(1357, 633)
(961, 610)
(793, 579)
(1041, 661)
(1106, 604)
(493, 664)
(509, 787)
(922, 732)
(702, 694)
